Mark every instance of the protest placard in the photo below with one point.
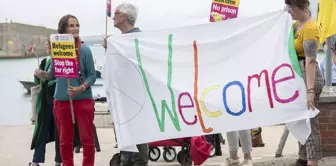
(205, 79)
(224, 10)
(64, 60)
(63, 55)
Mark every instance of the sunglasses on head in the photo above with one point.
(333, 48)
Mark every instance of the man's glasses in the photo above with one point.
(117, 13)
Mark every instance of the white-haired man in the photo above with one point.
(124, 18)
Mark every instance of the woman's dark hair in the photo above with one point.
(63, 24)
(301, 4)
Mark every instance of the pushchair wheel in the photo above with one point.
(115, 161)
(213, 150)
(184, 158)
(154, 153)
(169, 154)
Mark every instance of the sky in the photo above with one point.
(153, 14)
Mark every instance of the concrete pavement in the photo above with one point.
(15, 142)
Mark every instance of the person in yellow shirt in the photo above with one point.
(306, 43)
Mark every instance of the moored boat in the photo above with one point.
(27, 85)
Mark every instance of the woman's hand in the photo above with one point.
(310, 101)
(38, 73)
(73, 91)
(41, 74)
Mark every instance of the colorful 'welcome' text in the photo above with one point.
(198, 103)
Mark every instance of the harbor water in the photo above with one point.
(15, 105)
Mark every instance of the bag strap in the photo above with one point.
(47, 64)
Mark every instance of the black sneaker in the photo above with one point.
(30, 164)
(300, 162)
(58, 164)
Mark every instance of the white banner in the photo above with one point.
(210, 78)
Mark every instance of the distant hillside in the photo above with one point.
(17, 38)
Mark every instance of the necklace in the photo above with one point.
(301, 24)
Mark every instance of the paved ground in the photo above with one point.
(15, 142)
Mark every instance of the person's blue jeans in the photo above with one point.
(39, 153)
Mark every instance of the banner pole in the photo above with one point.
(105, 31)
(71, 105)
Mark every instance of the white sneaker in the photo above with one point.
(247, 163)
(230, 161)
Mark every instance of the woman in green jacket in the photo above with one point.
(45, 130)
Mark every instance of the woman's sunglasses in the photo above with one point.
(333, 48)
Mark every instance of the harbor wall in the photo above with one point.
(16, 38)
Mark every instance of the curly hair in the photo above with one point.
(301, 4)
(63, 23)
